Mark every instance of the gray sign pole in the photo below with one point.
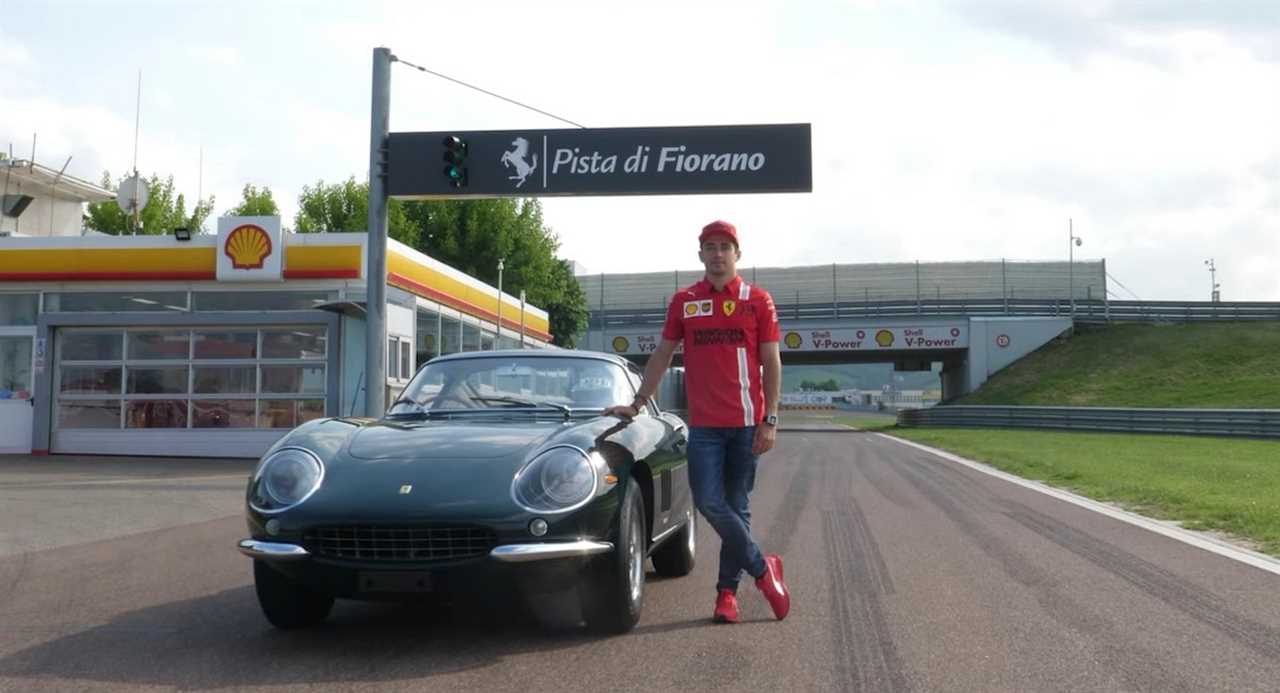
(376, 272)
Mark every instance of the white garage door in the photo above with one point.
(216, 391)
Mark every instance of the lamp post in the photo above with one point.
(522, 318)
(1213, 281)
(1072, 241)
(497, 341)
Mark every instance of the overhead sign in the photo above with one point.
(608, 161)
(877, 339)
(249, 249)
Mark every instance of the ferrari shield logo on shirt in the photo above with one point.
(695, 309)
(729, 307)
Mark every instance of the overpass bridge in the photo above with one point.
(974, 318)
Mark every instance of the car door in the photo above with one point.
(669, 464)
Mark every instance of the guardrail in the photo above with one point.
(1085, 311)
(1253, 423)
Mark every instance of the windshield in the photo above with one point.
(515, 382)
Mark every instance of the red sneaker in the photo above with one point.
(726, 607)
(773, 588)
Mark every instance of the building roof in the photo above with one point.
(22, 173)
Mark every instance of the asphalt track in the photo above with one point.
(908, 572)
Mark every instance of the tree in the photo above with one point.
(256, 203)
(344, 206)
(164, 212)
(471, 235)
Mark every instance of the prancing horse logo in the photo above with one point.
(516, 157)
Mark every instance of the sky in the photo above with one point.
(963, 130)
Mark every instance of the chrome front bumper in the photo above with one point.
(272, 551)
(507, 553)
(523, 553)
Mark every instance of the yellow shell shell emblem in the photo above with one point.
(620, 344)
(729, 307)
(884, 338)
(248, 247)
(792, 340)
(690, 309)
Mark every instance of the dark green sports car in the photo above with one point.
(492, 469)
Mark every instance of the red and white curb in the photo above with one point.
(1186, 536)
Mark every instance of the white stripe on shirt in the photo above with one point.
(744, 380)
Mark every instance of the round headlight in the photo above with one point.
(559, 479)
(289, 477)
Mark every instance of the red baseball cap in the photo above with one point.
(719, 228)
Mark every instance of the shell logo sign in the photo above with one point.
(250, 249)
(620, 344)
(248, 246)
(884, 338)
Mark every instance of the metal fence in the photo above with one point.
(844, 284)
(1084, 311)
(1252, 423)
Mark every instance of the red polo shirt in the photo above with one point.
(722, 333)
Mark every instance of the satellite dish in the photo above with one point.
(132, 195)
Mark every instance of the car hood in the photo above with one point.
(449, 440)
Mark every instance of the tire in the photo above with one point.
(614, 595)
(285, 603)
(676, 557)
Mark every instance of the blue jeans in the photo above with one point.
(722, 472)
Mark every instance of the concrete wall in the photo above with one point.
(997, 342)
(46, 216)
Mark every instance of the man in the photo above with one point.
(730, 331)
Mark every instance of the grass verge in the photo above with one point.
(1223, 484)
(1210, 365)
(867, 422)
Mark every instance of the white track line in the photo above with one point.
(1222, 548)
(130, 480)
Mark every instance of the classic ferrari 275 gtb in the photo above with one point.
(491, 468)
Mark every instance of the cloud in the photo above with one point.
(214, 54)
(1155, 32)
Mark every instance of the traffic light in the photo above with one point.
(455, 158)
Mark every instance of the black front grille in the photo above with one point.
(388, 543)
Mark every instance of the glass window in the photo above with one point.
(92, 346)
(93, 414)
(156, 413)
(450, 338)
(486, 341)
(134, 301)
(226, 345)
(470, 337)
(226, 380)
(287, 413)
(428, 338)
(167, 380)
(309, 409)
(90, 380)
(277, 413)
(15, 368)
(260, 300)
(480, 383)
(298, 343)
(18, 309)
(153, 346)
(406, 360)
(392, 358)
(293, 379)
(222, 413)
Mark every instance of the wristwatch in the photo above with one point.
(771, 419)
